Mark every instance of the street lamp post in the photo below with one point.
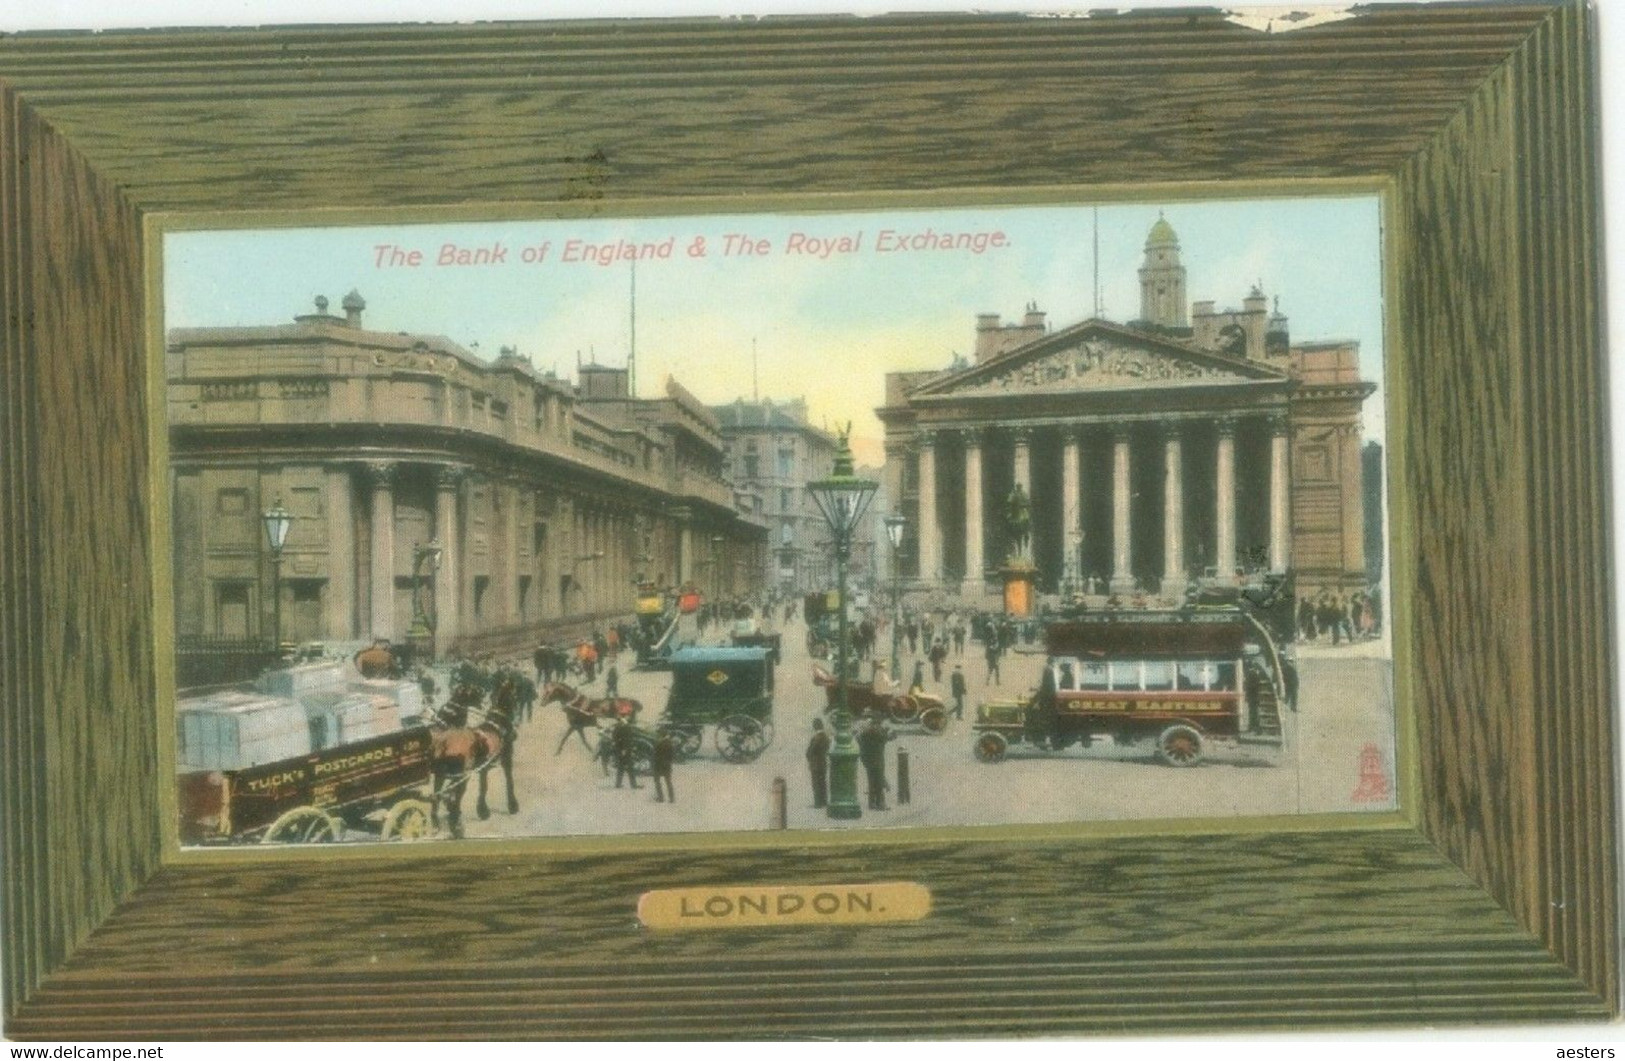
(278, 520)
(894, 534)
(423, 624)
(842, 499)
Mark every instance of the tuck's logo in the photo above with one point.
(812, 904)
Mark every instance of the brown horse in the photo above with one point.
(583, 714)
(458, 750)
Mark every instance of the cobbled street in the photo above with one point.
(1338, 757)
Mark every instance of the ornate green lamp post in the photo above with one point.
(894, 534)
(277, 520)
(841, 500)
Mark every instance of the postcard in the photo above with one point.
(878, 519)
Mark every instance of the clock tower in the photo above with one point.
(1162, 279)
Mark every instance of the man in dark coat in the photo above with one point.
(993, 653)
(938, 656)
(818, 763)
(956, 686)
(665, 753)
(623, 740)
(872, 740)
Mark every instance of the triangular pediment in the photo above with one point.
(1097, 356)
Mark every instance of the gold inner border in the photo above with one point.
(1407, 769)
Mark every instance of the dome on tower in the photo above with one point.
(1162, 234)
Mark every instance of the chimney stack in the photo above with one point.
(353, 305)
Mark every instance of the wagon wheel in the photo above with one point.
(686, 740)
(407, 820)
(903, 708)
(1180, 745)
(304, 825)
(740, 738)
(990, 747)
(933, 720)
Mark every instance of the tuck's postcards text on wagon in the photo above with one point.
(845, 521)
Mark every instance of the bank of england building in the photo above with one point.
(543, 502)
(1191, 445)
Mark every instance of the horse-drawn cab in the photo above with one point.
(728, 688)
(1180, 680)
(888, 697)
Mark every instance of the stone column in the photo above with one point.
(382, 622)
(975, 562)
(685, 546)
(1122, 547)
(510, 552)
(341, 605)
(1350, 477)
(1022, 460)
(1071, 507)
(595, 563)
(929, 537)
(1173, 512)
(448, 580)
(1279, 502)
(471, 620)
(1224, 553)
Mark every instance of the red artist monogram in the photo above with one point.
(1374, 784)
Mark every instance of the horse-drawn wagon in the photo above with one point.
(378, 786)
(730, 689)
(257, 768)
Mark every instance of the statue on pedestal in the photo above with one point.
(1018, 571)
(1018, 522)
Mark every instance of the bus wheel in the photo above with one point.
(990, 747)
(1180, 745)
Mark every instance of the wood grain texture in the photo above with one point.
(79, 673)
(1500, 905)
(1568, 493)
(533, 113)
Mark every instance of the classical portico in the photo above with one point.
(1154, 453)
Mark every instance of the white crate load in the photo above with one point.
(232, 730)
(325, 676)
(406, 696)
(344, 718)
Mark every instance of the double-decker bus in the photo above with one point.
(1178, 680)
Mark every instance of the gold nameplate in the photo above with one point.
(809, 904)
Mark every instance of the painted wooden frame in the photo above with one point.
(1492, 897)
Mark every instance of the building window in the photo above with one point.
(231, 609)
(305, 502)
(524, 596)
(481, 584)
(787, 463)
(785, 502)
(751, 466)
(302, 612)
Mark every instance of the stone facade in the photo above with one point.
(549, 499)
(770, 449)
(1156, 453)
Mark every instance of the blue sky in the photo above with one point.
(824, 328)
